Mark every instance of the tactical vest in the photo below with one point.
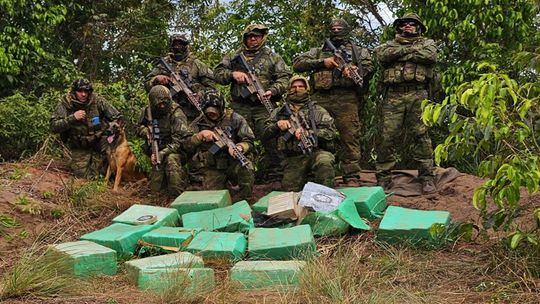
(85, 133)
(326, 79)
(263, 64)
(407, 72)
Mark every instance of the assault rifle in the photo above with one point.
(343, 59)
(153, 137)
(253, 85)
(179, 85)
(225, 141)
(308, 142)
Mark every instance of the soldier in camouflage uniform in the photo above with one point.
(193, 71)
(338, 94)
(274, 75)
(173, 133)
(80, 118)
(221, 167)
(408, 62)
(297, 165)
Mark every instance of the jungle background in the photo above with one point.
(483, 115)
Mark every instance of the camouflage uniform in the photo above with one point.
(274, 75)
(83, 137)
(339, 95)
(408, 67)
(174, 132)
(221, 167)
(298, 166)
(194, 72)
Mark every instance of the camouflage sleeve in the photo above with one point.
(367, 63)
(148, 81)
(181, 133)
(204, 77)
(107, 109)
(326, 130)
(424, 53)
(308, 62)
(270, 127)
(60, 120)
(281, 76)
(142, 125)
(244, 133)
(223, 71)
(388, 53)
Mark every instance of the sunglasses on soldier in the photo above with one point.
(409, 23)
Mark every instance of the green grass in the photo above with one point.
(38, 274)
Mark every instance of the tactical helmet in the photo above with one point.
(82, 84)
(159, 94)
(340, 22)
(213, 98)
(178, 37)
(408, 17)
(299, 77)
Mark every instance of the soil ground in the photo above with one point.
(36, 193)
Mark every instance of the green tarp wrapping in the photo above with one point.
(120, 237)
(229, 219)
(177, 237)
(219, 247)
(165, 216)
(189, 281)
(195, 201)
(281, 244)
(267, 274)
(403, 224)
(86, 258)
(370, 201)
(336, 222)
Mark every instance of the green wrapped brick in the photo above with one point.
(174, 237)
(139, 271)
(191, 281)
(151, 215)
(281, 244)
(122, 238)
(267, 274)
(410, 225)
(218, 247)
(229, 219)
(86, 258)
(195, 201)
(370, 201)
(335, 222)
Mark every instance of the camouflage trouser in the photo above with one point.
(296, 170)
(216, 179)
(171, 176)
(343, 107)
(87, 163)
(256, 115)
(402, 116)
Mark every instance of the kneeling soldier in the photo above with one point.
(221, 146)
(306, 136)
(164, 124)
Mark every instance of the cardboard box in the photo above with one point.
(286, 205)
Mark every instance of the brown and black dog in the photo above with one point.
(120, 158)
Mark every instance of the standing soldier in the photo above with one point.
(307, 147)
(164, 125)
(408, 62)
(221, 161)
(337, 88)
(273, 74)
(80, 118)
(195, 74)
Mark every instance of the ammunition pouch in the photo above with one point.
(323, 80)
(407, 72)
